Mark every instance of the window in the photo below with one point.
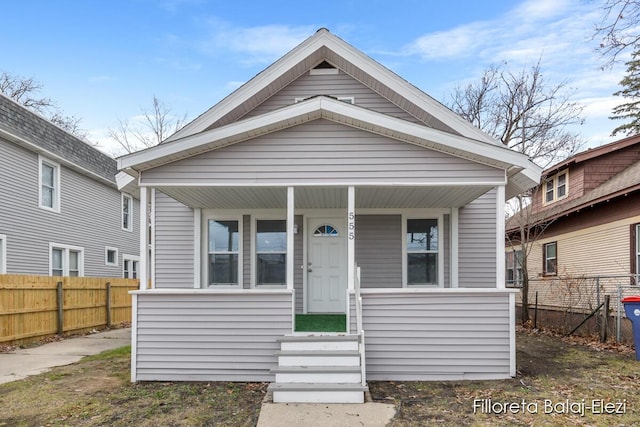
(636, 252)
(271, 252)
(223, 252)
(326, 231)
(66, 260)
(514, 268)
(111, 256)
(127, 212)
(130, 266)
(49, 190)
(555, 187)
(3, 254)
(550, 255)
(422, 251)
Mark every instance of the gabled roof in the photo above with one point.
(324, 46)
(35, 133)
(592, 153)
(621, 184)
(522, 173)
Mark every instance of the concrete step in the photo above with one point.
(318, 358)
(319, 342)
(317, 393)
(318, 374)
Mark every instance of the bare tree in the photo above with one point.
(24, 90)
(530, 116)
(151, 128)
(618, 31)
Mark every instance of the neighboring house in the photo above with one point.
(269, 204)
(61, 212)
(585, 216)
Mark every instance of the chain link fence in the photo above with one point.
(562, 303)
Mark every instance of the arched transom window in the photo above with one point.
(325, 230)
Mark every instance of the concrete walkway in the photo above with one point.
(22, 363)
(367, 414)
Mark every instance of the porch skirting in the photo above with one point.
(411, 334)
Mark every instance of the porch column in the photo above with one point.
(351, 237)
(500, 236)
(290, 227)
(143, 268)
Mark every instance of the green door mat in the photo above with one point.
(321, 323)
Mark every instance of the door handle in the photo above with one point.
(309, 267)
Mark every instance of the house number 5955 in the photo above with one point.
(352, 225)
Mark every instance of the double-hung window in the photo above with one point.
(127, 212)
(422, 252)
(550, 258)
(223, 245)
(555, 187)
(130, 266)
(514, 268)
(271, 252)
(49, 185)
(66, 260)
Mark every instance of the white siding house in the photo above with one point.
(326, 184)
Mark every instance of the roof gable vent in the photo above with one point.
(323, 68)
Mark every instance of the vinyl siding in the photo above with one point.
(436, 336)
(477, 243)
(210, 336)
(298, 272)
(336, 85)
(325, 152)
(379, 250)
(174, 233)
(90, 217)
(446, 231)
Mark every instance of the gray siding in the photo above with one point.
(326, 152)
(298, 272)
(210, 336)
(436, 336)
(379, 250)
(246, 247)
(89, 217)
(336, 85)
(446, 227)
(477, 243)
(174, 234)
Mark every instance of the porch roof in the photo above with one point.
(522, 174)
(309, 197)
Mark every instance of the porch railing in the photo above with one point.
(361, 346)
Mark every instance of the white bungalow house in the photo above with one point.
(325, 184)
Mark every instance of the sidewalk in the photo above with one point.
(22, 363)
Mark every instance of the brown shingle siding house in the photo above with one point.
(589, 208)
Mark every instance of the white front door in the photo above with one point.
(326, 265)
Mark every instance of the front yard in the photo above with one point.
(558, 383)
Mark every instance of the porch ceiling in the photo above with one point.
(324, 197)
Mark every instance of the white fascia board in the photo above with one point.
(331, 109)
(253, 86)
(324, 38)
(266, 123)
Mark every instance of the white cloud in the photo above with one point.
(260, 44)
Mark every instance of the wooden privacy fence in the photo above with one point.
(33, 307)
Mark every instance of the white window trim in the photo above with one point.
(106, 256)
(204, 247)
(56, 178)
(426, 214)
(545, 258)
(254, 252)
(65, 259)
(134, 258)
(3, 258)
(126, 196)
(554, 180)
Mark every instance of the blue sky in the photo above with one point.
(104, 60)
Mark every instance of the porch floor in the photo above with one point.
(321, 323)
